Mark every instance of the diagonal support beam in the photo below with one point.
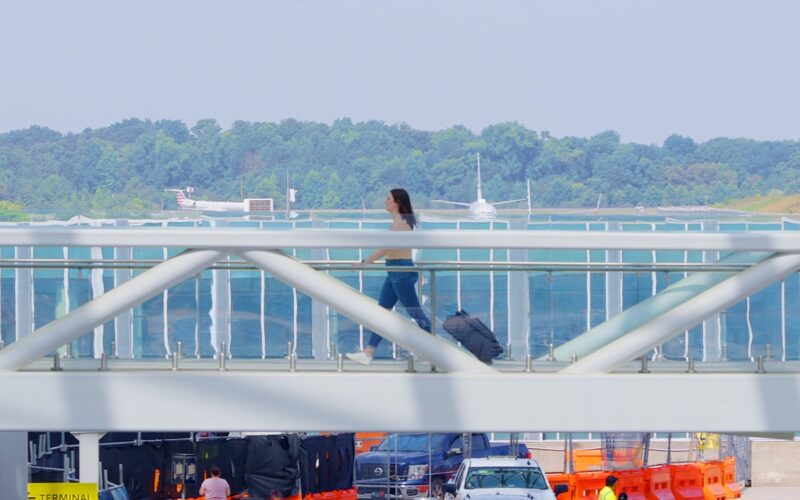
(365, 311)
(649, 309)
(687, 315)
(92, 314)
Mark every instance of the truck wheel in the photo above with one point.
(436, 488)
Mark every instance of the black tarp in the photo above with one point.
(259, 464)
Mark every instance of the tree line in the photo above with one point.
(123, 169)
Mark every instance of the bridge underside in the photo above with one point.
(250, 400)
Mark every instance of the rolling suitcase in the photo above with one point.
(475, 336)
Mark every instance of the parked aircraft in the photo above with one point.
(480, 208)
(246, 205)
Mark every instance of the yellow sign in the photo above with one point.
(62, 491)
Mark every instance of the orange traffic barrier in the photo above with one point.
(587, 460)
(630, 482)
(657, 483)
(589, 484)
(349, 494)
(687, 482)
(712, 481)
(556, 478)
(732, 488)
(366, 440)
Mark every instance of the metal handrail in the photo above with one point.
(347, 265)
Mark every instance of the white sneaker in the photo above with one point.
(359, 357)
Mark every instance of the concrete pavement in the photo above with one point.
(772, 493)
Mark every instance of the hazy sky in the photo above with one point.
(644, 68)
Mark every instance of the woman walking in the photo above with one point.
(399, 285)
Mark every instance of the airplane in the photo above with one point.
(246, 205)
(480, 208)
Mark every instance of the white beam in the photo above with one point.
(83, 319)
(350, 401)
(258, 239)
(687, 314)
(89, 456)
(365, 311)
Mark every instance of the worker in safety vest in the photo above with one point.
(607, 493)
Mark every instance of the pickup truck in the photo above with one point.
(506, 478)
(417, 465)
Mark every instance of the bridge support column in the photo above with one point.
(89, 456)
(14, 469)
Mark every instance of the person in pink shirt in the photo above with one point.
(215, 488)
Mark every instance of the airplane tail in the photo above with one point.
(179, 197)
(480, 195)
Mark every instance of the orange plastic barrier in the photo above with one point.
(657, 483)
(350, 494)
(587, 460)
(732, 488)
(589, 484)
(365, 440)
(556, 478)
(687, 482)
(712, 481)
(630, 482)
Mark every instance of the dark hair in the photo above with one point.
(623, 496)
(215, 470)
(403, 201)
(611, 480)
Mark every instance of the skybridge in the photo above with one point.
(318, 393)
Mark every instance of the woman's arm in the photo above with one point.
(376, 255)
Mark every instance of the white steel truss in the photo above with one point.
(470, 396)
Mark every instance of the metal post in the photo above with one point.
(528, 363)
(669, 448)
(103, 362)
(433, 303)
(574, 359)
(551, 352)
(56, 363)
(292, 362)
(176, 356)
(760, 368)
(690, 368)
(223, 356)
(410, 368)
(644, 365)
(340, 363)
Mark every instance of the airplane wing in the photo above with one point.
(508, 201)
(452, 203)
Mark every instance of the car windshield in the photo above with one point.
(411, 442)
(505, 477)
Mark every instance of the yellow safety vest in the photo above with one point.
(607, 493)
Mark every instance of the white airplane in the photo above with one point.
(480, 208)
(246, 205)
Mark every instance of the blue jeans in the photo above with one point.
(400, 286)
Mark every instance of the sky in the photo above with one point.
(644, 68)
